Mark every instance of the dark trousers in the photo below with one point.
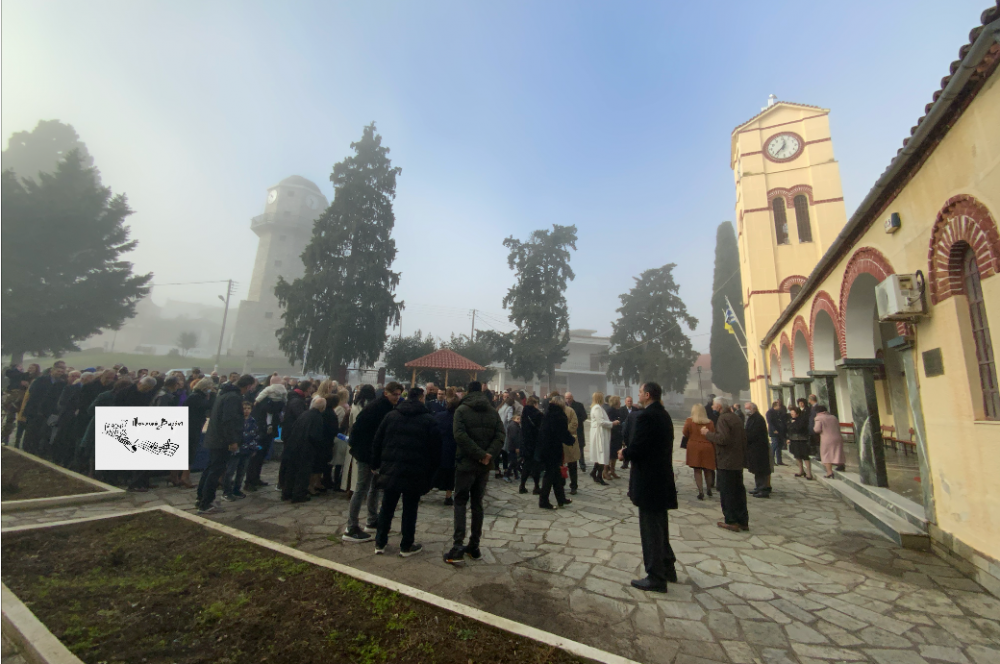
(530, 468)
(572, 474)
(583, 456)
(297, 465)
(777, 444)
(411, 500)
(657, 554)
(236, 466)
(553, 481)
(217, 460)
(470, 485)
(762, 482)
(257, 460)
(733, 496)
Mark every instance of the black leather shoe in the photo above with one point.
(672, 575)
(649, 586)
(547, 506)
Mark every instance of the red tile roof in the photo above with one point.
(444, 359)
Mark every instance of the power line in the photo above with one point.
(194, 283)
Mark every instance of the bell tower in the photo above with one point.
(284, 229)
(789, 209)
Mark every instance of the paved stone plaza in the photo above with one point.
(811, 582)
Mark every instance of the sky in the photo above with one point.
(504, 117)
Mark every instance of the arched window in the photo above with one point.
(802, 218)
(780, 220)
(794, 290)
(981, 334)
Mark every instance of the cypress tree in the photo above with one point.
(729, 366)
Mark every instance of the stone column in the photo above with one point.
(803, 385)
(775, 393)
(867, 425)
(826, 389)
(788, 391)
(906, 352)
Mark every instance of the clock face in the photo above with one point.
(311, 202)
(784, 147)
(271, 197)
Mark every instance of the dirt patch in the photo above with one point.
(154, 587)
(23, 479)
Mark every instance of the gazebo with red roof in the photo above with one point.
(445, 359)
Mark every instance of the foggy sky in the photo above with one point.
(505, 117)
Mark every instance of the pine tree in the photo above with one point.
(537, 301)
(729, 366)
(400, 350)
(63, 275)
(345, 298)
(41, 150)
(647, 341)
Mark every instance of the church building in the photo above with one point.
(886, 316)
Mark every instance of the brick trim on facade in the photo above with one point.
(824, 302)
(788, 282)
(800, 326)
(790, 194)
(787, 343)
(866, 260)
(775, 360)
(962, 221)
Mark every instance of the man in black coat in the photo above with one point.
(406, 453)
(365, 489)
(552, 435)
(628, 426)
(758, 459)
(651, 487)
(223, 437)
(531, 421)
(581, 415)
(777, 430)
(42, 408)
(300, 442)
(295, 407)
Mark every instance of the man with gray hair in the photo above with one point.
(730, 440)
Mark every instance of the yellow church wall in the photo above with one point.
(963, 448)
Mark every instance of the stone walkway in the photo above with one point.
(811, 582)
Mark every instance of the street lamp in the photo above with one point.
(701, 395)
(225, 314)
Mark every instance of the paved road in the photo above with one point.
(811, 582)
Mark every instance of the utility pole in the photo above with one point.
(305, 351)
(472, 335)
(225, 314)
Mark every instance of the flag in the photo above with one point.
(730, 319)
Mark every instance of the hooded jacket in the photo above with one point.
(365, 427)
(478, 432)
(407, 449)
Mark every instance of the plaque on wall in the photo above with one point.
(933, 363)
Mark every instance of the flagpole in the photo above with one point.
(742, 346)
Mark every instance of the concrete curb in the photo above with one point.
(526, 631)
(32, 639)
(107, 492)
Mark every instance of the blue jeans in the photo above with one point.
(776, 446)
(236, 468)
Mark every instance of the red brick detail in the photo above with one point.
(786, 342)
(750, 294)
(788, 282)
(799, 325)
(963, 221)
(790, 194)
(866, 260)
(823, 302)
(818, 140)
(776, 360)
(829, 200)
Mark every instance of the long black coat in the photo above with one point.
(301, 441)
(295, 408)
(365, 427)
(531, 421)
(43, 397)
(776, 424)
(199, 405)
(582, 413)
(758, 458)
(651, 484)
(406, 451)
(552, 435)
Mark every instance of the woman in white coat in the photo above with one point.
(599, 449)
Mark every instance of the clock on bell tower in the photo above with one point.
(789, 209)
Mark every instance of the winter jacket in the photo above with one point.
(758, 445)
(478, 432)
(571, 451)
(446, 427)
(531, 420)
(250, 442)
(512, 443)
(225, 427)
(776, 424)
(295, 407)
(651, 482)
(365, 427)
(628, 426)
(199, 405)
(730, 440)
(553, 436)
(407, 449)
(581, 416)
(166, 399)
(43, 397)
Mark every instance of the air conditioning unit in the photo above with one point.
(899, 298)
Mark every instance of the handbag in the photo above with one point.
(684, 442)
(564, 471)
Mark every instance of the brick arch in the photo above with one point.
(866, 260)
(786, 342)
(788, 282)
(824, 302)
(775, 361)
(800, 326)
(963, 219)
(790, 194)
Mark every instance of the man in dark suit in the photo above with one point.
(651, 487)
(628, 426)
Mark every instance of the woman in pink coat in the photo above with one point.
(831, 443)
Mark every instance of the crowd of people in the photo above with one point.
(391, 445)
